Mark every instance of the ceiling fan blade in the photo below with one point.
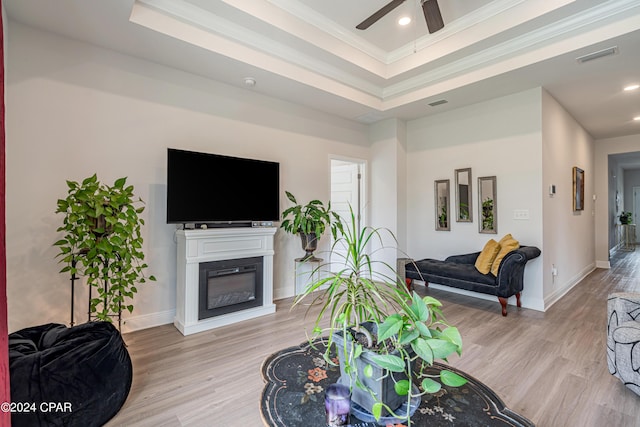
(432, 15)
(379, 14)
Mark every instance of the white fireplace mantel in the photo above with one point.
(217, 244)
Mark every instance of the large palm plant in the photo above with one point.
(355, 293)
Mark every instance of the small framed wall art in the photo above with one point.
(578, 189)
(441, 192)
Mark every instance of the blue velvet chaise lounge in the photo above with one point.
(459, 271)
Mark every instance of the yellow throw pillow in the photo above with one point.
(506, 246)
(486, 257)
(505, 238)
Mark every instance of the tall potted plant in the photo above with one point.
(102, 241)
(309, 221)
(384, 336)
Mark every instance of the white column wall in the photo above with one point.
(388, 189)
(569, 236)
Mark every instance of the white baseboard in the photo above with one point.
(224, 319)
(136, 323)
(565, 288)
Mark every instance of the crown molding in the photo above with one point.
(520, 45)
(461, 24)
(193, 15)
(310, 16)
(356, 88)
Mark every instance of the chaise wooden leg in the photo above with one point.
(409, 283)
(503, 303)
(518, 299)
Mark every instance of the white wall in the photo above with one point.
(501, 137)
(569, 236)
(388, 187)
(75, 109)
(605, 202)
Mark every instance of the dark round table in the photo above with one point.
(296, 378)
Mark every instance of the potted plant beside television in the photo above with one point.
(384, 336)
(309, 221)
(102, 241)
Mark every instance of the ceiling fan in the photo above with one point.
(430, 8)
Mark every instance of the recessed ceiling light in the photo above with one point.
(405, 20)
(637, 119)
(631, 87)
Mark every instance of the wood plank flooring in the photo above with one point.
(550, 367)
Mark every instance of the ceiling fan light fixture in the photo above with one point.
(404, 21)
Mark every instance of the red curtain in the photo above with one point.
(5, 417)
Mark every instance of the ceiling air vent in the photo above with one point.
(439, 102)
(599, 54)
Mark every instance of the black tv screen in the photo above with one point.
(210, 188)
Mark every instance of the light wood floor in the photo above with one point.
(550, 367)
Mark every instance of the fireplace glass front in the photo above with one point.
(230, 285)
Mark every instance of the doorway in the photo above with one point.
(636, 205)
(347, 193)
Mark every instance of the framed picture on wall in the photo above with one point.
(578, 189)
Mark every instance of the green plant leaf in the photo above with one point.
(357, 351)
(389, 361)
(390, 327)
(419, 308)
(120, 182)
(453, 335)
(431, 301)
(431, 386)
(409, 336)
(452, 379)
(423, 350)
(291, 197)
(368, 371)
(402, 387)
(376, 410)
(441, 348)
(424, 330)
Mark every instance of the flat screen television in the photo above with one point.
(220, 190)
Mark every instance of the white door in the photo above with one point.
(636, 205)
(346, 191)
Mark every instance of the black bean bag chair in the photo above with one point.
(79, 376)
